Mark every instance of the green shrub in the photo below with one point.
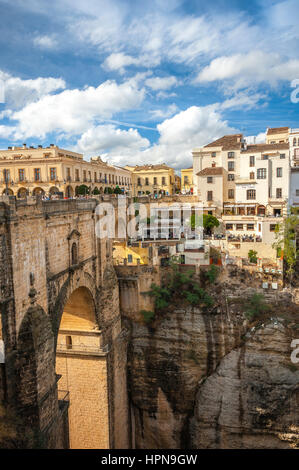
(212, 273)
(255, 306)
(148, 315)
(252, 256)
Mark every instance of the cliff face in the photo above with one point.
(207, 379)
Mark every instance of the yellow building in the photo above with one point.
(187, 180)
(152, 179)
(51, 170)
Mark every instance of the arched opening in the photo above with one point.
(261, 210)
(22, 193)
(81, 366)
(38, 192)
(8, 192)
(69, 192)
(53, 190)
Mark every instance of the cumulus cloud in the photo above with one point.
(20, 92)
(107, 138)
(249, 69)
(161, 83)
(74, 111)
(194, 127)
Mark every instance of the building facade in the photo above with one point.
(187, 180)
(152, 179)
(51, 170)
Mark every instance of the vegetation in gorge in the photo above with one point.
(256, 306)
(185, 285)
(286, 241)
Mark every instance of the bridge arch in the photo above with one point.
(81, 366)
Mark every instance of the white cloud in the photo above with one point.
(194, 127)
(118, 61)
(249, 69)
(161, 83)
(164, 113)
(20, 92)
(45, 42)
(256, 139)
(107, 138)
(74, 111)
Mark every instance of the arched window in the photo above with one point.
(74, 254)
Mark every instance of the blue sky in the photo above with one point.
(145, 82)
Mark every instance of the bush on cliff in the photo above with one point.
(256, 306)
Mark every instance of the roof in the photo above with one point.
(211, 171)
(227, 142)
(277, 130)
(162, 166)
(266, 147)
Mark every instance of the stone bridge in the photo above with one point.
(63, 370)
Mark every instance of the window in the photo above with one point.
(213, 154)
(231, 166)
(68, 174)
(163, 181)
(84, 175)
(68, 342)
(95, 177)
(251, 193)
(261, 174)
(278, 192)
(21, 174)
(53, 174)
(294, 142)
(138, 181)
(130, 258)
(210, 195)
(297, 192)
(251, 160)
(279, 172)
(77, 175)
(229, 226)
(6, 175)
(231, 194)
(251, 175)
(265, 157)
(272, 227)
(210, 179)
(239, 226)
(155, 179)
(36, 174)
(146, 182)
(250, 226)
(74, 254)
(230, 177)
(231, 155)
(282, 155)
(213, 165)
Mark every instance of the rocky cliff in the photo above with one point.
(210, 378)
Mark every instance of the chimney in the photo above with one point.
(24, 145)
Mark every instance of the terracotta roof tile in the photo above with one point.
(211, 171)
(277, 130)
(266, 147)
(227, 142)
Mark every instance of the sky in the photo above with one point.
(145, 82)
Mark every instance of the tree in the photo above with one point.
(95, 191)
(208, 221)
(82, 190)
(117, 190)
(252, 256)
(108, 190)
(286, 241)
